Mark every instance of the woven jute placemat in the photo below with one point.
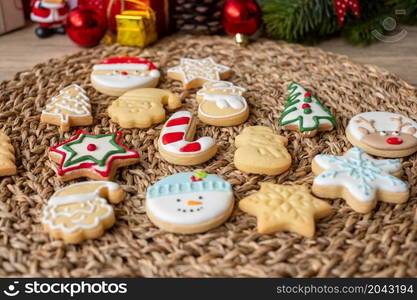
(381, 243)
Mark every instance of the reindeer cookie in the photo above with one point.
(383, 134)
(261, 151)
(222, 104)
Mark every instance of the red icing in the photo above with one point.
(124, 73)
(172, 137)
(128, 60)
(191, 147)
(305, 105)
(194, 179)
(91, 147)
(178, 121)
(394, 141)
(307, 95)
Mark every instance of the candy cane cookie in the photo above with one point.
(175, 141)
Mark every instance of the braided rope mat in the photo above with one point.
(381, 243)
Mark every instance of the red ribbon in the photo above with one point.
(342, 7)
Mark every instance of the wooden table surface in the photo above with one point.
(21, 49)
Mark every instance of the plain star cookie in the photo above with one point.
(222, 104)
(80, 211)
(175, 142)
(189, 202)
(93, 156)
(141, 108)
(303, 112)
(383, 134)
(117, 75)
(261, 151)
(71, 107)
(359, 179)
(7, 158)
(195, 72)
(283, 207)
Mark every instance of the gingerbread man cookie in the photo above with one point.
(142, 108)
(222, 104)
(261, 151)
(80, 211)
(383, 134)
(71, 107)
(7, 158)
(359, 179)
(195, 72)
(93, 156)
(175, 141)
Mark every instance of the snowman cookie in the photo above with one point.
(117, 75)
(189, 202)
(80, 211)
(383, 134)
(222, 104)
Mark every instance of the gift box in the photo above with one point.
(136, 28)
(11, 15)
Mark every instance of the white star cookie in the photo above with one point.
(195, 72)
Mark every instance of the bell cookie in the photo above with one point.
(71, 107)
(359, 179)
(117, 75)
(383, 134)
(7, 158)
(222, 104)
(189, 202)
(93, 156)
(175, 141)
(261, 151)
(285, 207)
(195, 72)
(141, 108)
(303, 112)
(80, 211)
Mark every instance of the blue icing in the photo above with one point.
(181, 183)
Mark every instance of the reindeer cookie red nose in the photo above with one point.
(394, 141)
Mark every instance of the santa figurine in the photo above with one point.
(50, 14)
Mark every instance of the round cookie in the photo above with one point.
(117, 75)
(189, 202)
(383, 134)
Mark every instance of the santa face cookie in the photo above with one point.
(80, 211)
(189, 202)
(175, 141)
(93, 156)
(383, 134)
(222, 104)
(359, 179)
(117, 75)
(303, 112)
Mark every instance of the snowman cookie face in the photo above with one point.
(116, 75)
(189, 202)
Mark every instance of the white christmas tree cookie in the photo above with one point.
(303, 112)
(189, 202)
(71, 107)
(359, 179)
(222, 104)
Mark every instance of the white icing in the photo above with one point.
(382, 122)
(360, 174)
(118, 81)
(168, 209)
(127, 66)
(205, 142)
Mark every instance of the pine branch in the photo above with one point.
(410, 7)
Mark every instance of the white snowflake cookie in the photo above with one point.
(359, 179)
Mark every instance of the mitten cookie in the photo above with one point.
(261, 151)
(7, 159)
(359, 179)
(80, 211)
(383, 134)
(222, 104)
(195, 72)
(93, 156)
(142, 108)
(71, 107)
(175, 141)
(189, 202)
(117, 75)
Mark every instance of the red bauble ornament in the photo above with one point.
(241, 17)
(86, 27)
